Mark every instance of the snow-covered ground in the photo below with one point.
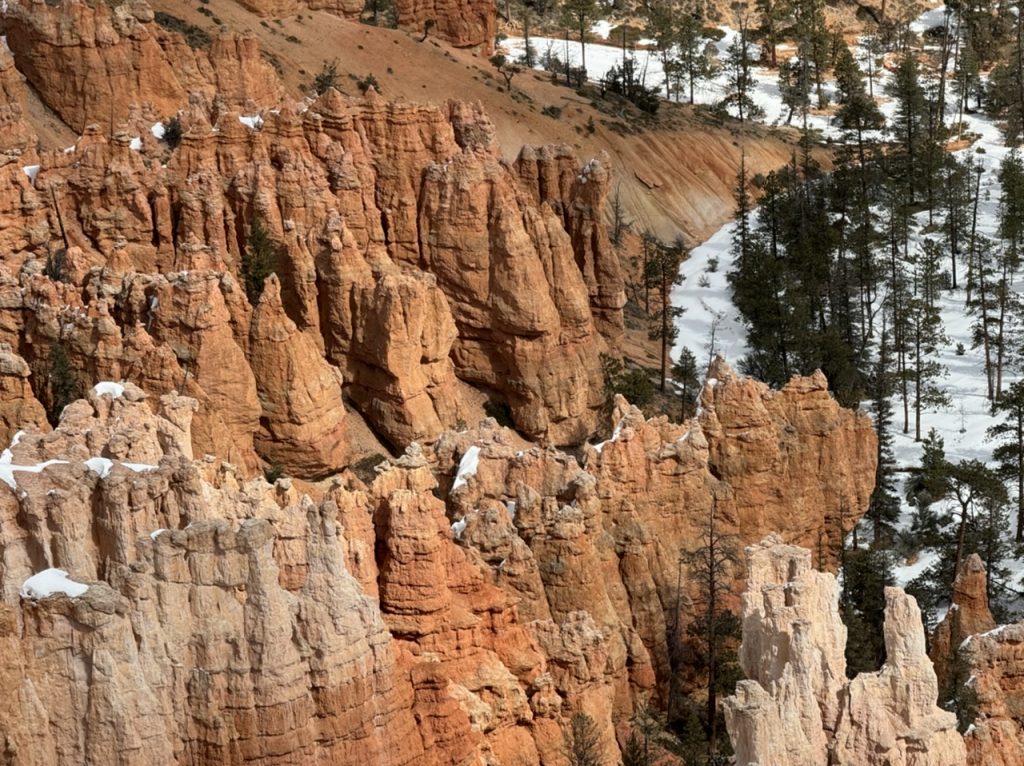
(705, 296)
(601, 58)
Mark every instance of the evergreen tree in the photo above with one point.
(740, 79)
(866, 573)
(578, 15)
(662, 27)
(259, 260)
(1009, 453)
(982, 304)
(795, 87)
(1005, 94)
(696, 58)
(812, 44)
(931, 482)
(957, 200)
(979, 525)
(774, 22)
(858, 113)
(583, 742)
(662, 273)
(715, 628)
(62, 385)
(925, 334)
(687, 377)
(741, 236)
(884, 507)
(910, 122)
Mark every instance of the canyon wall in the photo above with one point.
(410, 257)
(455, 608)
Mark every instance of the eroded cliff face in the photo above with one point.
(410, 256)
(981, 663)
(397, 622)
(797, 707)
(463, 23)
(91, 62)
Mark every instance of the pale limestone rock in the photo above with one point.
(798, 709)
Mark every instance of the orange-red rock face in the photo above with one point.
(463, 23)
(90, 62)
(410, 256)
(605, 537)
(230, 621)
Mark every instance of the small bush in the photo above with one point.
(704, 281)
(172, 132)
(274, 472)
(54, 268)
(259, 261)
(712, 264)
(554, 112)
(194, 36)
(326, 78)
(57, 382)
(960, 350)
(292, 39)
(364, 467)
(365, 83)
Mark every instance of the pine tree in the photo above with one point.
(578, 15)
(715, 628)
(740, 242)
(910, 122)
(740, 79)
(866, 573)
(884, 506)
(858, 113)
(259, 260)
(62, 385)
(583, 742)
(925, 335)
(812, 44)
(958, 210)
(662, 272)
(696, 59)
(982, 305)
(662, 27)
(795, 87)
(687, 377)
(1009, 453)
(774, 21)
(976, 488)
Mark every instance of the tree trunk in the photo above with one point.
(666, 317)
(1020, 473)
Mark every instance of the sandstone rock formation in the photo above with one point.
(797, 707)
(19, 408)
(91, 62)
(995, 664)
(463, 23)
(605, 537)
(410, 256)
(968, 614)
(303, 424)
(981, 663)
(230, 621)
